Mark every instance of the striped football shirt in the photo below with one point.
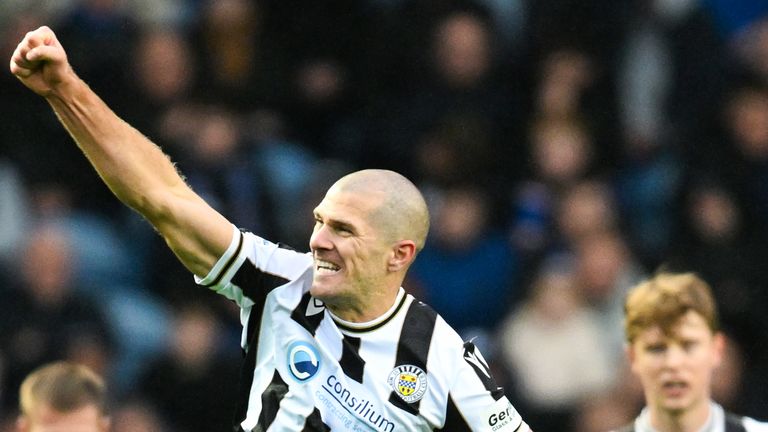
(307, 370)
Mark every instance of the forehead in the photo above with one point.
(691, 325)
(85, 419)
(351, 205)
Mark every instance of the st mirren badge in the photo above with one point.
(409, 382)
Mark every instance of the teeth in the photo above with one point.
(326, 267)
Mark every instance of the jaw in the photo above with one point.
(325, 285)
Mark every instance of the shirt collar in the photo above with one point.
(356, 327)
(715, 422)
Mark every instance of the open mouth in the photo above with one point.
(674, 388)
(325, 267)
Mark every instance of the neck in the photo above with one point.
(368, 309)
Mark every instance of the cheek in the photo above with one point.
(706, 365)
(645, 367)
(353, 255)
(367, 260)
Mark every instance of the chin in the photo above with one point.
(676, 406)
(322, 291)
(316, 291)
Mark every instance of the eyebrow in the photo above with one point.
(337, 223)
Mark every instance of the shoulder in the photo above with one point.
(739, 423)
(275, 258)
(752, 425)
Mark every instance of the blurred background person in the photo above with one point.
(44, 318)
(467, 270)
(63, 396)
(545, 344)
(675, 345)
(194, 373)
(137, 416)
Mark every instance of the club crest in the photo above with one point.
(409, 382)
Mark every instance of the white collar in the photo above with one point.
(715, 422)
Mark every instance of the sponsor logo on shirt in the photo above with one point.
(502, 416)
(303, 360)
(353, 412)
(409, 382)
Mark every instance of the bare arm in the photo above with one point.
(134, 168)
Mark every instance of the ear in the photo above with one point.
(629, 351)
(718, 348)
(105, 424)
(403, 253)
(22, 424)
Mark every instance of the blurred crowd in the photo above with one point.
(567, 149)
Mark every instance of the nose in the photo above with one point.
(674, 357)
(319, 239)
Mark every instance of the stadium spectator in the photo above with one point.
(585, 208)
(194, 373)
(561, 153)
(459, 78)
(14, 213)
(161, 81)
(237, 61)
(606, 269)
(44, 318)
(467, 271)
(545, 343)
(137, 416)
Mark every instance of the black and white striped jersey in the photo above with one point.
(719, 421)
(306, 370)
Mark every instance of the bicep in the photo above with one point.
(196, 233)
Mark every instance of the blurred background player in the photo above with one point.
(675, 345)
(62, 397)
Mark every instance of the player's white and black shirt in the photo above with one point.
(719, 421)
(306, 370)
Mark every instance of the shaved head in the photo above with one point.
(401, 213)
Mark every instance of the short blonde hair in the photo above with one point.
(64, 387)
(663, 299)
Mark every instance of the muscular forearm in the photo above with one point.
(134, 168)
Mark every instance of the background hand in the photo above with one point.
(40, 61)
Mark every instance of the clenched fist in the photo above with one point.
(40, 62)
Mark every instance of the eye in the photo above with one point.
(690, 345)
(656, 348)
